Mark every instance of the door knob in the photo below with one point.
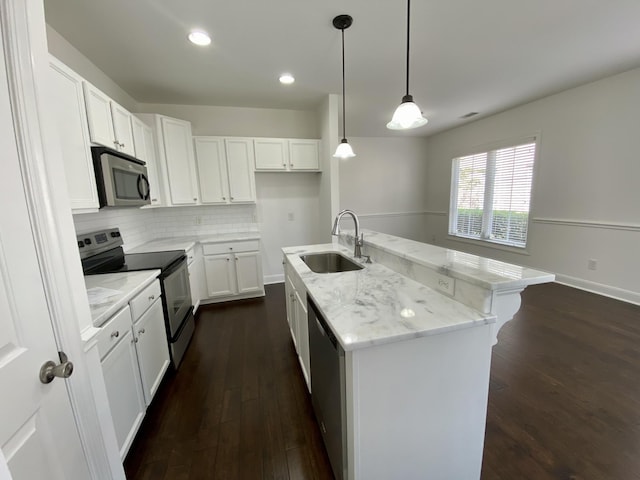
(50, 370)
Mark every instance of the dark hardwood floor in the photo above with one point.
(564, 399)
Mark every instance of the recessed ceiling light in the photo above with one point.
(199, 38)
(287, 79)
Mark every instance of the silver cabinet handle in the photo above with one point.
(141, 331)
(135, 340)
(154, 199)
(195, 199)
(224, 198)
(116, 143)
(231, 198)
(115, 334)
(227, 259)
(50, 370)
(122, 145)
(152, 297)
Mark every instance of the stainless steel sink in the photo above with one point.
(329, 262)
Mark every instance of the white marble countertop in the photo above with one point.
(124, 287)
(376, 305)
(187, 242)
(484, 272)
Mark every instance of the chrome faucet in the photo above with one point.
(359, 238)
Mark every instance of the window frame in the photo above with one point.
(487, 214)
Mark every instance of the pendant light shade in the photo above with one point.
(408, 114)
(344, 150)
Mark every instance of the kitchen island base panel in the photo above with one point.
(417, 409)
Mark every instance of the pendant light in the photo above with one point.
(408, 114)
(344, 150)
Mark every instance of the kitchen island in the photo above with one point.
(415, 328)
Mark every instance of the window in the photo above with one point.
(491, 192)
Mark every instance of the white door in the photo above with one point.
(38, 435)
(249, 272)
(139, 147)
(73, 135)
(99, 117)
(242, 187)
(122, 128)
(181, 165)
(304, 154)
(271, 153)
(220, 273)
(152, 348)
(212, 170)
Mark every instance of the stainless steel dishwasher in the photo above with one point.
(328, 389)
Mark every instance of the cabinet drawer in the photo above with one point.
(113, 331)
(191, 255)
(144, 300)
(231, 247)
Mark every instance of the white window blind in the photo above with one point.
(491, 193)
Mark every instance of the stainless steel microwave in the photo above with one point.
(121, 179)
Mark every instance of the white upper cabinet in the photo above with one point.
(122, 129)
(146, 151)
(271, 153)
(109, 122)
(179, 159)
(225, 168)
(286, 155)
(304, 155)
(240, 156)
(73, 136)
(212, 170)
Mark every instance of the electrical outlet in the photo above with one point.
(592, 264)
(198, 220)
(291, 216)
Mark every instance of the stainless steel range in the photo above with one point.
(101, 252)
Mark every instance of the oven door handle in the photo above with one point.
(143, 192)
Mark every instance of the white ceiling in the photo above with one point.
(466, 55)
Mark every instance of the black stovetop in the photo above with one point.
(115, 260)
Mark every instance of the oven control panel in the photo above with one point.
(95, 242)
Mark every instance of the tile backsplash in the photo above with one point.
(142, 225)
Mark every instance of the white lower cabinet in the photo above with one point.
(124, 390)
(134, 354)
(298, 322)
(197, 283)
(220, 273)
(151, 345)
(233, 269)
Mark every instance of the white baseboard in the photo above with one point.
(599, 288)
(277, 278)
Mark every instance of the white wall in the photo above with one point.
(385, 184)
(60, 48)
(288, 215)
(241, 121)
(586, 192)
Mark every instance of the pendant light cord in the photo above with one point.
(344, 127)
(408, 27)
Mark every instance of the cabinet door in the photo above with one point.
(220, 273)
(197, 279)
(155, 188)
(152, 348)
(291, 310)
(124, 391)
(304, 154)
(303, 337)
(249, 272)
(99, 117)
(139, 147)
(212, 170)
(73, 136)
(271, 153)
(242, 187)
(122, 128)
(181, 168)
